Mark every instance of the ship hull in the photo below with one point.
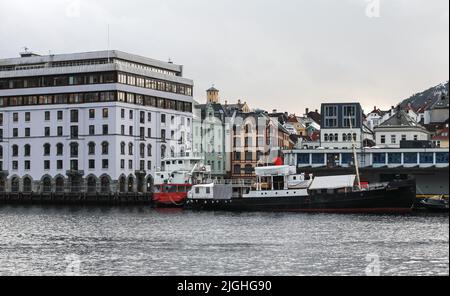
(398, 197)
(169, 200)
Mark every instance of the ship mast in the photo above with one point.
(355, 156)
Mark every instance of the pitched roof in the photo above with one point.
(315, 116)
(212, 89)
(401, 118)
(442, 104)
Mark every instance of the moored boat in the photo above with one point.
(279, 188)
(438, 205)
(176, 177)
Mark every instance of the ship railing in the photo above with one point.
(234, 182)
(185, 154)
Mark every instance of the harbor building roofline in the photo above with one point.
(92, 55)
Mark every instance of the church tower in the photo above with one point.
(212, 95)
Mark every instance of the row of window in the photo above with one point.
(246, 170)
(146, 67)
(331, 116)
(74, 116)
(74, 165)
(394, 139)
(154, 84)
(410, 158)
(60, 80)
(248, 156)
(345, 137)
(59, 115)
(54, 65)
(74, 131)
(74, 149)
(380, 158)
(95, 78)
(161, 103)
(96, 97)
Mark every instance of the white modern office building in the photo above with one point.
(90, 122)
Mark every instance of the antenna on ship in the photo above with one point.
(358, 178)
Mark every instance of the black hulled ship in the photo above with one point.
(279, 188)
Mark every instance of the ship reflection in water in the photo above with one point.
(141, 241)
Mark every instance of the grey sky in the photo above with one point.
(287, 54)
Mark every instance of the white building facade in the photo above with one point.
(400, 127)
(90, 122)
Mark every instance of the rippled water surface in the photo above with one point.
(141, 241)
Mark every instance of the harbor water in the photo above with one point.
(140, 241)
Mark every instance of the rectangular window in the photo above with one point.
(347, 159)
(331, 116)
(60, 115)
(248, 156)
(28, 117)
(426, 158)
(91, 164)
(74, 132)
(394, 158)
(27, 132)
(349, 116)
(237, 156)
(73, 115)
(410, 158)
(74, 165)
(46, 164)
(393, 139)
(105, 113)
(383, 139)
(442, 158)
(91, 113)
(318, 158)
(105, 129)
(379, 158)
(59, 164)
(303, 158)
(47, 115)
(142, 133)
(47, 131)
(60, 131)
(105, 164)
